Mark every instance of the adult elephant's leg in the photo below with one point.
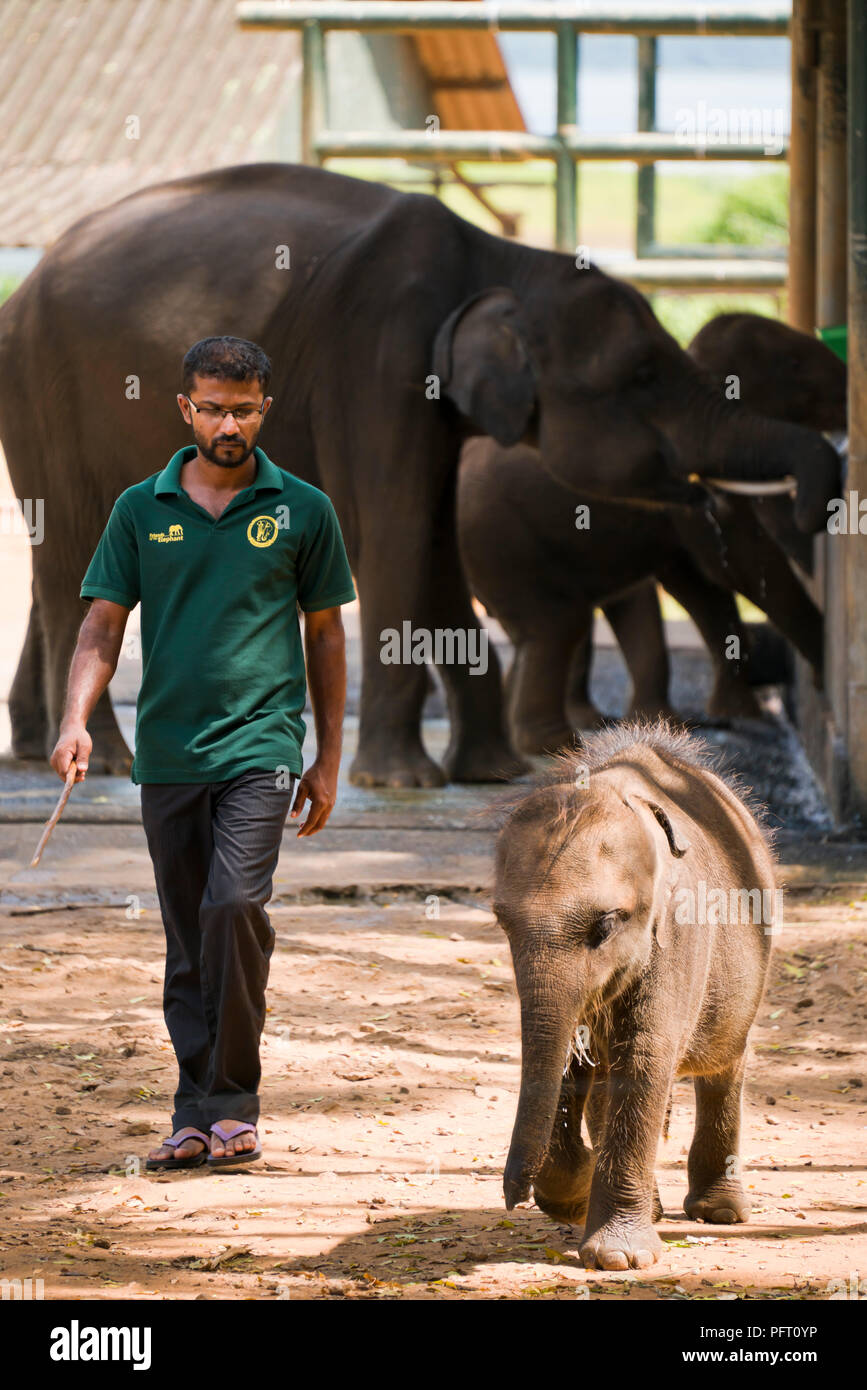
(27, 712)
(389, 540)
(581, 712)
(390, 751)
(61, 613)
(636, 621)
(715, 613)
(537, 682)
(479, 749)
(715, 1190)
(562, 1187)
(384, 463)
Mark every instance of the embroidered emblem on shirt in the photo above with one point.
(175, 533)
(262, 531)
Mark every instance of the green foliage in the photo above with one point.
(754, 214)
(8, 284)
(684, 314)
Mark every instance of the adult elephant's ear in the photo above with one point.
(480, 356)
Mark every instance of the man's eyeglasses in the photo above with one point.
(242, 414)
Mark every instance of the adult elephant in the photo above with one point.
(783, 373)
(396, 330)
(542, 577)
(513, 524)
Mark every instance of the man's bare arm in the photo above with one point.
(94, 662)
(325, 647)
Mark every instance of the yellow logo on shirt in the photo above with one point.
(262, 531)
(175, 533)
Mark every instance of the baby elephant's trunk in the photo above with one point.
(546, 1032)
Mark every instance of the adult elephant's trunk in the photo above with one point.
(746, 447)
(547, 1025)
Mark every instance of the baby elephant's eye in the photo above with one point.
(604, 927)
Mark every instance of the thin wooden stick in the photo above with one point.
(55, 815)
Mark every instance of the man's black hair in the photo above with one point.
(228, 359)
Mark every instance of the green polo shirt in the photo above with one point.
(223, 680)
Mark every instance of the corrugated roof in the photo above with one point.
(469, 80)
(75, 73)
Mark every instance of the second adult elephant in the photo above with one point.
(777, 371)
(542, 576)
(783, 373)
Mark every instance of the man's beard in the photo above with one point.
(233, 460)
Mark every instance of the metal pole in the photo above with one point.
(645, 214)
(856, 545)
(566, 193)
(641, 147)
(802, 311)
(756, 17)
(831, 258)
(313, 93)
(802, 169)
(831, 167)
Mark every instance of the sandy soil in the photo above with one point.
(390, 1080)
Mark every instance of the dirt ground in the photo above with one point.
(391, 1071)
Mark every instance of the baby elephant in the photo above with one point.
(638, 895)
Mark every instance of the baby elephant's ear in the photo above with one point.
(677, 844)
(665, 874)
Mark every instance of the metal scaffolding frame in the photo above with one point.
(656, 267)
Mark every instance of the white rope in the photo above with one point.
(775, 488)
(580, 1049)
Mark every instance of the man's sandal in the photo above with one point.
(223, 1160)
(175, 1141)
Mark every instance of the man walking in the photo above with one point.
(220, 549)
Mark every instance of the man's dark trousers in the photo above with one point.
(214, 847)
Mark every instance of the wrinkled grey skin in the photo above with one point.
(588, 888)
(398, 331)
(542, 577)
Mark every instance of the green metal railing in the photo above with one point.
(645, 200)
(567, 147)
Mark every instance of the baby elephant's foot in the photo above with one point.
(621, 1245)
(723, 1204)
